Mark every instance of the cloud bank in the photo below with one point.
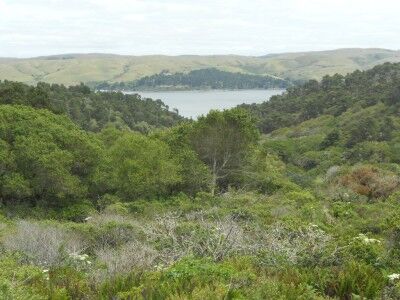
(138, 27)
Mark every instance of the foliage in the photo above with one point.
(136, 166)
(334, 95)
(222, 140)
(197, 79)
(91, 110)
(207, 209)
(48, 158)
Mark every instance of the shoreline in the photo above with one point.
(188, 90)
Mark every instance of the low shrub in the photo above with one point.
(42, 244)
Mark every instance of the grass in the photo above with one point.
(73, 69)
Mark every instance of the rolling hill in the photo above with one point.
(71, 69)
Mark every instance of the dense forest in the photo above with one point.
(91, 110)
(198, 79)
(296, 198)
(333, 95)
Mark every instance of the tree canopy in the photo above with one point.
(222, 140)
(210, 78)
(46, 157)
(91, 110)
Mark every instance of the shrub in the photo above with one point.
(363, 248)
(272, 289)
(300, 197)
(129, 257)
(42, 244)
(356, 279)
(107, 200)
(22, 282)
(373, 152)
(265, 173)
(278, 245)
(111, 230)
(78, 212)
(370, 181)
(198, 278)
(194, 235)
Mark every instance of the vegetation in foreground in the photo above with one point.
(209, 209)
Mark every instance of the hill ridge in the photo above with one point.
(70, 69)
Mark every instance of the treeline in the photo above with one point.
(91, 110)
(198, 79)
(48, 161)
(333, 95)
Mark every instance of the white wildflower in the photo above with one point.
(45, 271)
(366, 240)
(159, 267)
(394, 276)
(77, 256)
(88, 218)
(83, 257)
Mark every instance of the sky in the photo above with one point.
(31, 28)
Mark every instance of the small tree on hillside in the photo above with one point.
(221, 139)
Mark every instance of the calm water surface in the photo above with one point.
(195, 103)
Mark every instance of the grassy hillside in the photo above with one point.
(75, 68)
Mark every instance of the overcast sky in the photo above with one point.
(252, 27)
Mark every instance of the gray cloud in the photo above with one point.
(257, 27)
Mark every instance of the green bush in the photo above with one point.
(78, 212)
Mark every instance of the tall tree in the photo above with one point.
(222, 139)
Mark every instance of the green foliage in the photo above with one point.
(91, 110)
(222, 140)
(22, 282)
(357, 279)
(78, 212)
(49, 159)
(197, 79)
(136, 166)
(195, 174)
(312, 212)
(334, 95)
(265, 173)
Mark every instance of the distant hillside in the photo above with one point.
(75, 68)
(198, 79)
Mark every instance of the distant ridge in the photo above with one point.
(74, 68)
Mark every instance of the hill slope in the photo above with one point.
(91, 110)
(75, 68)
(337, 122)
